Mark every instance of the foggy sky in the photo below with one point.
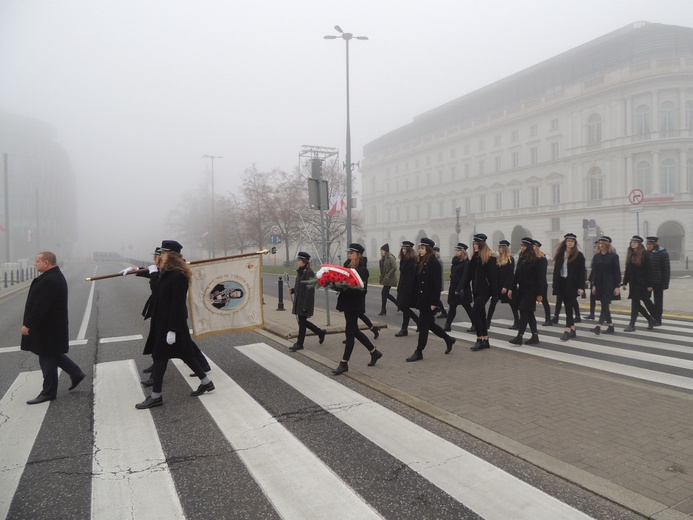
(139, 90)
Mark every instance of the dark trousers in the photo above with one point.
(385, 295)
(428, 323)
(658, 295)
(479, 315)
(604, 312)
(160, 366)
(408, 314)
(636, 307)
(593, 303)
(200, 357)
(527, 317)
(49, 367)
(353, 333)
(304, 324)
(491, 308)
(560, 301)
(547, 306)
(571, 305)
(365, 319)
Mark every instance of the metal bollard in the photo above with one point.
(280, 294)
(11, 278)
(21, 272)
(5, 279)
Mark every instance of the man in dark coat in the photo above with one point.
(661, 273)
(45, 329)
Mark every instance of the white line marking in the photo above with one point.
(131, 478)
(19, 426)
(116, 339)
(298, 483)
(87, 314)
(484, 488)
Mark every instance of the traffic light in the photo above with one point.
(316, 168)
(274, 250)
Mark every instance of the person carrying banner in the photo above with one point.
(304, 301)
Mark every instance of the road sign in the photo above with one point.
(276, 230)
(635, 196)
(275, 239)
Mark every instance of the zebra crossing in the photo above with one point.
(663, 355)
(131, 475)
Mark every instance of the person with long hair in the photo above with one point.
(593, 298)
(545, 296)
(569, 276)
(638, 280)
(352, 302)
(528, 287)
(605, 282)
(457, 294)
(483, 274)
(661, 274)
(304, 302)
(388, 277)
(429, 284)
(506, 270)
(171, 334)
(405, 286)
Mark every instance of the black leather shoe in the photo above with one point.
(295, 347)
(573, 334)
(450, 342)
(597, 330)
(517, 340)
(476, 345)
(481, 344)
(534, 340)
(376, 332)
(206, 369)
(77, 380)
(375, 356)
(547, 323)
(447, 328)
(471, 329)
(202, 389)
(565, 336)
(651, 324)
(321, 336)
(578, 319)
(150, 402)
(149, 369)
(341, 368)
(147, 382)
(589, 317)
(41, 399)
(629, 328)
(401, 333)
(416, 356)
(514, 326)
(610, 330)
(554, 319)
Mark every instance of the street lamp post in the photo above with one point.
(348, 165)
(211, 158)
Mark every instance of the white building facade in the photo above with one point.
(565, 146)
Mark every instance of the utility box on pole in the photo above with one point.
(318, 195)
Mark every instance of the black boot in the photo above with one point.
(343, 367)
(565, 336)
(383, 312)
(517, 340)
(375, 356)
(295, 347)
(402, 332)
(449, 341)
(416, 356)
(534, 340)
(149, 369)
(376, 332)
(448, 327)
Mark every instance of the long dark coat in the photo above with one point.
(457, 295)
(661, 267)
(354, 300)
(576, 276)
(505, 279)
(407, 281)
(605, 275)
(638, 278)
(149, 306)
(429, 284)
(529, 282)
(45, 315)
(483, 277)
(170, 313)
(304, 296)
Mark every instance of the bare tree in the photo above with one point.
(288, 198)
(257, 195)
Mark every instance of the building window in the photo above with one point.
(388, 215)
(467, 205)
(689, 115)
(499, 201)
(642, 120)
(595, 185)
(555, 194)
(516, 198)
(453, 173)
(497, 140)
(667, 176)
(440, 176)
(441, 209)
(515, 136)
(481, 167)
(515, 159)
(533, 130)
(428, 210)
(416, 181)
(407, 214)
(428, 160)
(397, 219)
(482, 203)
(416, 164)
(643, 177)
(467, 169)
(418, 211)
(453, 153)
(497, 161)
(667, 120)
(533, 155)
(466, 149)
(553, 125)
(689, 174)
(534, 196)
(554, 151)
(594, 129)
(555, 224)
(481, 145)
(453, 206)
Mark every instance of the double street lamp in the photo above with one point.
(211, 158)
(349, 167)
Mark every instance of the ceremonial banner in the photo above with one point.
(226, 295)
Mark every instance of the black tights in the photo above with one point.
(479, 315)
(427, 322)
(160, 366)
(304, 324)
(353, 333)
(527, 317)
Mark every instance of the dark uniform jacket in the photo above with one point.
(483, 277)
(638, 278)
(605, 276)
(576, 278)
(661, 267)
(170, 313)
(457, 294)
(45, 315)
(505, 279)
(304, 296)
(529, 282)
(407, 280)
(429, 284)
(354, 300)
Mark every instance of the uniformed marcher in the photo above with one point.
(506, 270)
(569, 277)
(637, 279)
(388, 277)
(529, 285)
(458, 294)
(661, 273)
(605, 282)
(304, 301)
(405, 286)
(483, 274)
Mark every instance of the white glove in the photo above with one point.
(170, 337)
(126, 270)
(153, 269)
